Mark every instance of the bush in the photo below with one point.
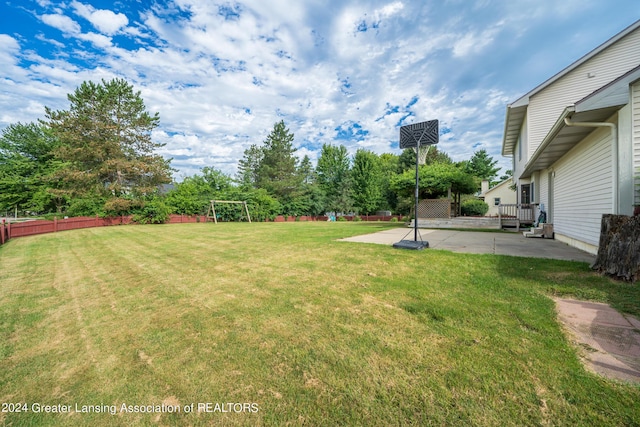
(154, 211)
(85, 207)
(474, 207)
(394, 219)
(357, 218)
(341, 218)
(118, 206)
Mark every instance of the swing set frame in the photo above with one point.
(212, 208)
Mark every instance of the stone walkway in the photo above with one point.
(610, 341)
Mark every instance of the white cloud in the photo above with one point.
(104, 20)
(62, 23)
(98, 40)
(221, 76)
(390, 9)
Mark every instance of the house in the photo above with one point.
(575, 141)
(501, 193)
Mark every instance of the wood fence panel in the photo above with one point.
(434, 208)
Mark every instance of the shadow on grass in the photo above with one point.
(570, 279)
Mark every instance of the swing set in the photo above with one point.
(212, 208)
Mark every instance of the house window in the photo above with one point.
(496, 201)
(532, 193)
(525, 194)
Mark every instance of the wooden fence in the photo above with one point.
(434, 208)
(10, 230)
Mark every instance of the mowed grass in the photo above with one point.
(301, 328)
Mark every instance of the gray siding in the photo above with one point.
(583, 188)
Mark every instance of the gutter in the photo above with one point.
(557, 127)
(614, 153)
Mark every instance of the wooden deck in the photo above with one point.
(516, 215)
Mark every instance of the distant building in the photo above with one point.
(501, 193)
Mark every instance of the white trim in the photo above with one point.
(583, 246)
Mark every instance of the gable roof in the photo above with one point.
(497, 186)
(596, 107)
(517, 110)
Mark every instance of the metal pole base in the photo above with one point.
(411, 244)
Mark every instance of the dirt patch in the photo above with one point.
(609, 342)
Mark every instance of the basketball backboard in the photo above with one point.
(417, 134)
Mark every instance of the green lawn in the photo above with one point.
(280, 324)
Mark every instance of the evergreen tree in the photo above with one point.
(482, 166)
(507, 174)
(105, 143)
(277, 170)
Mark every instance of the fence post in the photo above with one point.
(2, 233)
(55, 224)
(9, 230)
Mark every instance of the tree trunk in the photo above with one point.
(619, 250)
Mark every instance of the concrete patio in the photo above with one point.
(479, 242)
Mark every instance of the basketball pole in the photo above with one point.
(411, 136)
(415, 212)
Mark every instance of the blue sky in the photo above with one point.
(336, 71)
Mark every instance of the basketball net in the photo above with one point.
(422, 155)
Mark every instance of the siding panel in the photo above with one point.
(546, 106)
(543, 186)
(635, 114)
(583, 188)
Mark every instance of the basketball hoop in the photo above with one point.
(416, 136)
(423, 151)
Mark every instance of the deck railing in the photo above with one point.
(516, 214)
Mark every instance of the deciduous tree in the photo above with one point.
(334, 177)
(367, 181)
(26, 162)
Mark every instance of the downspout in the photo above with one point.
(614, 153)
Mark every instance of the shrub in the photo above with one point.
(155, 211)
(85, 207)
(119, 206)
(341, 218)
(474, 207)
(394, 219)
(357, 218)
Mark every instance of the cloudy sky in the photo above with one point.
(336, 71)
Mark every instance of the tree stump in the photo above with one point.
(619, 250)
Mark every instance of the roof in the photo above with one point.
(517, 110)
(596, 107)
(495, 187)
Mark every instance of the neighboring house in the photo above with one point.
(501, 193)
(575, 140)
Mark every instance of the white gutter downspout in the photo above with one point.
(614, 153)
